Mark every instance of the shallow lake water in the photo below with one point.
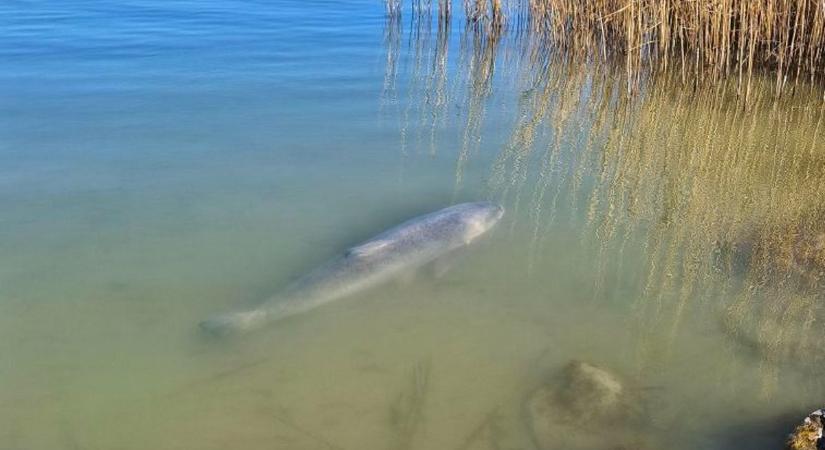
(164, 161)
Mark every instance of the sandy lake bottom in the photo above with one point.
(163, 162)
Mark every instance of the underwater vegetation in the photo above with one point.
(406, 414)
(719, 193)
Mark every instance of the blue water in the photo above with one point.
(161, 161)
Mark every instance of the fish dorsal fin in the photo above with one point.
(367, 249)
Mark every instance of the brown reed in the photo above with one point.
(701, 39)
(714, 198)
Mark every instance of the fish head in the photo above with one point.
(480, 217)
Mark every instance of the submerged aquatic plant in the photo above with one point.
(406, 414)
(488, 431)
(718, 194)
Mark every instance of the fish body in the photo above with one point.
(405, 247)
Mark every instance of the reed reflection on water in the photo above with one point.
(720, 195)
(673, 236)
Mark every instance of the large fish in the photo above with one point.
(403, 248)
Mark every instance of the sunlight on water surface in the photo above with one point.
(164, 161)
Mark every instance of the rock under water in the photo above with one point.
(808, 435)
(586, 407)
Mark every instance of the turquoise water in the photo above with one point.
(164, 161)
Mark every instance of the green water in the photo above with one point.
(162, 163)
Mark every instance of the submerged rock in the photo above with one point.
(585, 407)
(590, 391)
(808, 435)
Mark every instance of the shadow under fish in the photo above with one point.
(401, 249)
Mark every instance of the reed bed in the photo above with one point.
(722, 204)
(717, 195)
(702, 40)
(725, 205)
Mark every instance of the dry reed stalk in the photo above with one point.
(714, 189)
(706, 39)
(444, 11)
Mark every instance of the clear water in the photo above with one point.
(161, 161)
